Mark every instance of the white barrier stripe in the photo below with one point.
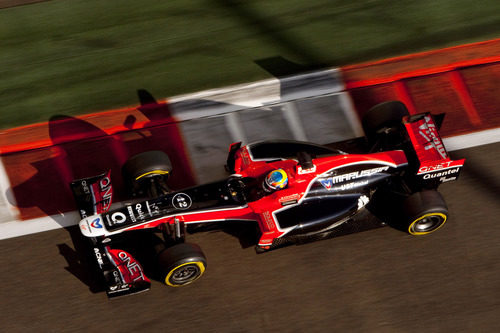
(289, 112)
(312, 84)
(350, 113)
(220, 101)
(234, 127)
(472, 140)
(8, 206)
(211, 94)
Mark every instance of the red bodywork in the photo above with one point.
(300, 181)
(263, 210)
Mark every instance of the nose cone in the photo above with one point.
(92, 226)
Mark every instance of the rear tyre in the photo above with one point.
(425, 212)
(182, 264)
(383, 121)
(140, 170)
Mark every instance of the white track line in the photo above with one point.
(20, 228)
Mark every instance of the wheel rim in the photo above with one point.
(427, 224)
(185, 274)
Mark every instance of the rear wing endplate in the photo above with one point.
(435, 164)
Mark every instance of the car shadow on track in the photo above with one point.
(81, 263)
(40, 178)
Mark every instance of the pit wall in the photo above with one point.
(38, 161)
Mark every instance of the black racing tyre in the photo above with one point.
(146, 165)
(425, 212)
(181, 264)
(383, 116)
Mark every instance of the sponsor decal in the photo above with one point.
(245, 156)
(132, 266)
(118, 288)
(83, 213)
(181, 201)
(138, 209)
(152, 208)
(444, 179)
(117, 218)
(441, 174)
(301, 171)
(85, 187)
(269, 220)
(131, 213)
(438, 166)
(102, 193)
(106, 192)
(329, 182)
(96, 223)
(117, 277)
(429, 132)
(350, 186)
(98, 256)
(289, 198)
(362, 201)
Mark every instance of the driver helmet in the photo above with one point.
(276, 180)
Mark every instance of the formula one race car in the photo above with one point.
(293, 191)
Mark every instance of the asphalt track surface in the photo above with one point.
(380, 280)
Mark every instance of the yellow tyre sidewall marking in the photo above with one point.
(155, 172)
(423, 217)
(200, 265)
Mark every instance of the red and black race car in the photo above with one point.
(293, 191)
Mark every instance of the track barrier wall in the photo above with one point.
(195, 130)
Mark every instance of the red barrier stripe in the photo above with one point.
(404, 96)
(420, 72)
(9, 139)
(420, 54)
(459, 85)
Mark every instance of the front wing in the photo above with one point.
(123, 275)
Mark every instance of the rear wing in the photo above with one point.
(434, 164)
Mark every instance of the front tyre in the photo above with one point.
(425, 212)
(182, 264)
(147, 172)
